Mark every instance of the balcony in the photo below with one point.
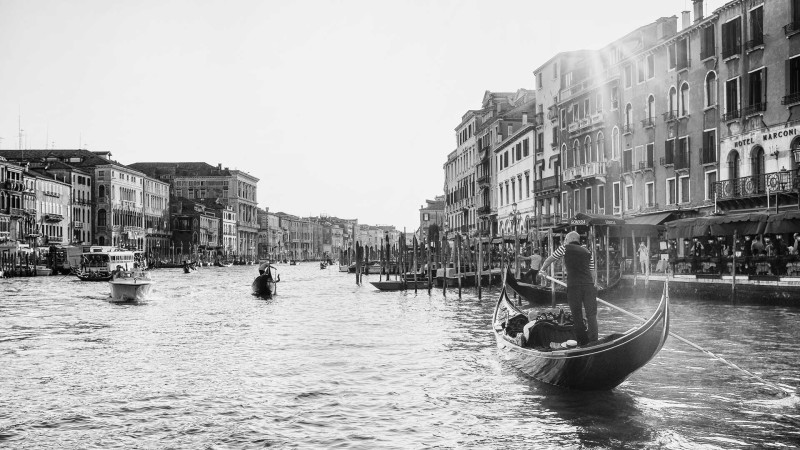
(646, 165)
(755, 43)
(53, 218)
(791, 99)
(670, 116)
(77, 225)
(791, 28)
(755, 185)
(732, 115)
(546, 184)
(597, 117)
(484, 210)
(731, 50)
(572, 127)
(16, 212)
(483, 179)
(585, 171)
(627, 128)
(648, 123)
(753, 110)
(708, 155)
(538, 119)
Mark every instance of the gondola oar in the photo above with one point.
(688, 342)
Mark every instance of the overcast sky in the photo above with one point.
(339, 107)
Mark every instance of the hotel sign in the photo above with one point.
(756, 138)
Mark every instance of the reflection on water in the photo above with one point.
(327, 363)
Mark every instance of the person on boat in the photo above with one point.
(581, 291)
(263, 267)
(535, 262)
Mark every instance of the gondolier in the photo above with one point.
(581, 291)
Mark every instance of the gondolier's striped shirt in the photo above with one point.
(561, 251)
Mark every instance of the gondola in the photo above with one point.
(542, 295)
(323, 265)
(265, 284)
(599, 365)
(94, 276)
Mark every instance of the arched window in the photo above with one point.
(101, 240)
(673, 101)
(684, 99)
(576, 148)
(101, 218)
(651, 111)
(601, 147)
(711, 88)
(587, 150)
(615, 143)
(733, 165)
(757, 166)
(628, 115)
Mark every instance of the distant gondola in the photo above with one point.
(542, 295)
(599, 365)
(265, 283)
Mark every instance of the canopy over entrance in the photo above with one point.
(783, 222)
(724, 225)
(584, 219)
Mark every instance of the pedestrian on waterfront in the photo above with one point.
(581, 291)
(796, 243)
(757, 247)
(769, 247)
(698, 248)
(644, 258)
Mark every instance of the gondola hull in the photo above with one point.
(264, 286)
(602, 366)
(543, 295)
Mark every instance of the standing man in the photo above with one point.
(644, 258)
(581, 292)
(535, 263)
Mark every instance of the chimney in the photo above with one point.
(219, 166)
(524, 118)
(685, 20)
(667, 27)
(698, 10)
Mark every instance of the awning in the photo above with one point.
(784, 222)
(650, 219)
(583, 219)
(723, 225)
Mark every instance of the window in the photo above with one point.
(575, 113)
(640, 71)
(575, 153)
(628, 72)
(525, 148)
(629, 197)
(684, 189)
(601, 198)
(615, 189)
(671, 56)
(756, 28)
(649, 195)
(732, 99)
(563, 119)
(501, 194)
(651, 112)
(505, 159)
(598, 103)
(615, 143)
(711, 89)
(684, 103)
(564, 203)
(586, 112)
(732, 38)
(673, 102)
(711, 179)
(648, 155)
(682, 53)
(757, 93)
(669, 152)
(568, 79)
(101, 218)
(733, 165)
(628, 116)
(577, 199)
(539, 80)
(614, 98)
(518, 149)
(707, 43)
(587, 150)
(671, 198)
(589, 202)
(651, 66)
(601, 147)
(540, 142)
(527, 185)
(792, 80)
(709, 151)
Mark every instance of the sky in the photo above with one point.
(339, 107)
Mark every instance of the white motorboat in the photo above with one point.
(130, 285)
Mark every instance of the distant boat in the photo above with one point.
(292, 263)
(265, 285)
(43, 271)
(98, 263)
(323, 265)
(130, 285)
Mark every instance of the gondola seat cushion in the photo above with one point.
(544, 332)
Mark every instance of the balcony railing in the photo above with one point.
(754, 109)
(648, 123)
(627, 128)
(645, 165)
(546, 184)
(483, 179)
(755, 185)
(484, 210)
(669, 116)
(707, 155)
(791, 28)
(573, 127)
(53, 217)
(732, 115)
(16, 212)
(752, 44)
(791, 98)
(731, 50)
(592, 169)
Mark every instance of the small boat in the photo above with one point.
(93, 276)
(599, 365)
(323, 265)
(43, 271)
(292, 263)
(265, 283)
(189, 267)
(98, 263)
(130, 285)
(219, 263)
(542, 295)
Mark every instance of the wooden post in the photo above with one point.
(647, 264)
(633, 257)
(415, 264)
(733, 268)
(428, 262)
(443, 263)
(608, 259)
(594, 252)
(458, 252)
(552, 268)
(480, 265)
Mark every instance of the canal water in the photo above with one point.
(328, 364)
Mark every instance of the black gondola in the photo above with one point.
(94, 276)
(599, 365)
(542, 295)
(265, 284)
